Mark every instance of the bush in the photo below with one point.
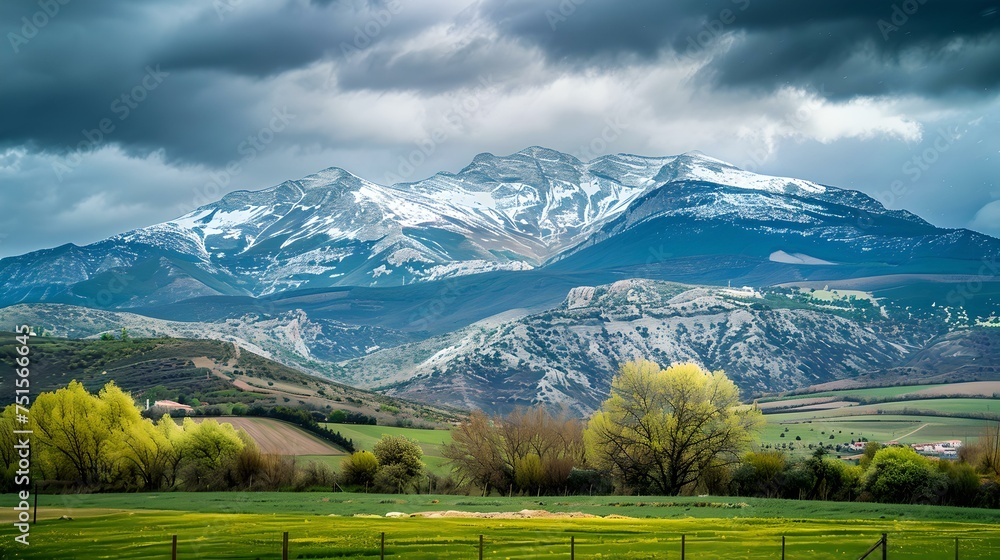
(392, 479)
(962, 483)
(359, 469)
(315, 475)
(351, 417)
(899, 475)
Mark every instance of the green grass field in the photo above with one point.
(881, 427)
(815, 427)
(431, 441)
(322, 525)
(870, 393)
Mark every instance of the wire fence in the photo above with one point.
(573, 547)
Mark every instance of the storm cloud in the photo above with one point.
(121, 114)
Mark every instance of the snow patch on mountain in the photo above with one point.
(796, 258)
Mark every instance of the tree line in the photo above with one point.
(683, 430)
(678, 430)
(102, 442)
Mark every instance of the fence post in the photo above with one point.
(284, 546)
(683, 538)
(885, 545)
(480, 547)
(382, 547)
(572, 547)
(782, 547)
(173, 548)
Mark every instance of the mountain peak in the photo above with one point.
(543, 153)
(698, 154)
(326, 177)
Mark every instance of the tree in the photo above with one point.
(662, 429)
(984, 454)
(475, 452)
(529, 450)
(402, 457)
(900, 475)
(760, 474)
(871, 448)
(208, 446)
(8, 453)
(73, 434)
(962, 483)
(359, 469)
(152, 452)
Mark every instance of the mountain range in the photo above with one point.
(466, 288)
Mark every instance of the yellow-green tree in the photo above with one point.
(359, 469)
(73, 435)
(661, 429)
(8, 454)
(151, 452)
(208, 446)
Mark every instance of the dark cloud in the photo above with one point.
(368, 80)
(218, 60)
(434, 70)
(265, 40)
(850, 48)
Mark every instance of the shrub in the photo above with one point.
(899, 475)
(359, 469)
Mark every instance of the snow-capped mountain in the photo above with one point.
(537, 209)
(764, 340)
(529, 277)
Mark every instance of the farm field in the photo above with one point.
(276, 436)
(431, 441)
(876, 427)
(322, 525)
(813, 418)
(970, 388)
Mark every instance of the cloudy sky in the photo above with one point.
(120, 114)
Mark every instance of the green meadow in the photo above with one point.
(432, 442)
(324, 525)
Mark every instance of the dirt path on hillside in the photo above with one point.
(236, 353)
(913, 432)
(209, 364)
